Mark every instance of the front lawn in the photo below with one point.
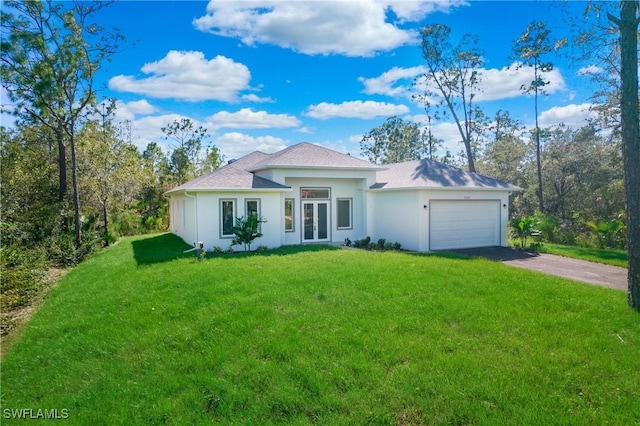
(606, 256)
(143, 334)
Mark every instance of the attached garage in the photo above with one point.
(464, 224)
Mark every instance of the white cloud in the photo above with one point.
(345, 27)
(147, 129)
(495, 84)
(188, 76)
(306, 130)
(507, 82)
(590, 70)
(234, 145)
(252, 97)
(141, 107)
(407, 10)
(129, 110)
(572, 115)
(386, 83)
(355, 109)
(249, 119)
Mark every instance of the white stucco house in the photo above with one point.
(311, 194)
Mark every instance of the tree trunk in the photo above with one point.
(538, 159)
(62, 178)
(76, 196)
(630, 113)
(628, 25)
(106, 222)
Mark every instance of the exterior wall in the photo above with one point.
(208, 218)
(183, 217)
(282, 176)
(339, 188)
(397, 216)
(401, 215)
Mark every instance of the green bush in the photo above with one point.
(246, 230)
(524, 227)
(22, 270)
(62, 251)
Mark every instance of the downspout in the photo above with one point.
(195, 197)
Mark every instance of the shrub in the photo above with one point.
(246, 230)
(62, 250)
(22, 269)
(609, 233)
(524, 227)
(364, 243)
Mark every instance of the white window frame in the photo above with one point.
(293, 214)
(246, 206)
(233, 218)
(338, 201)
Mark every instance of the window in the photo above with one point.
(322, 193)
(252, 208)
(227, 217)
(344, 213)
(288, 214)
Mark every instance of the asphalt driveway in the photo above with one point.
(578, 270)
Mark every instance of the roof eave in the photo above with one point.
(444, 188)
(342, 168)
(228, 189)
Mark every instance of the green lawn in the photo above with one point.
(606, 256)
(142, 334)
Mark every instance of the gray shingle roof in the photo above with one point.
(432, 174)
(250, 160)
(410, 174)
(306, 155)
(228, 177)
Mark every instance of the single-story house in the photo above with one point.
(311, 194)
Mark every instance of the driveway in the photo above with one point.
(578, 270)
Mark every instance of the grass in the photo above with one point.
(606, 256)
(142, 334)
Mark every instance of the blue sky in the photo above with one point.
(262, 75)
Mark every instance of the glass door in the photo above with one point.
(315, 221)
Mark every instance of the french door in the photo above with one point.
(315, 221)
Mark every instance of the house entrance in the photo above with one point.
(315, 214)
(315, 221)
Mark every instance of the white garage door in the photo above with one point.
(464, 224)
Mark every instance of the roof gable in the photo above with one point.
(432, 174)
(306, 155)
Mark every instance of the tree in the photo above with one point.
(450, 83)
(627, 24)
(394, 141)
(531, 47)
(28, 186)
(111, 169)
(50, 54)
(431, 144)
(187, 140)
(582, 171)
